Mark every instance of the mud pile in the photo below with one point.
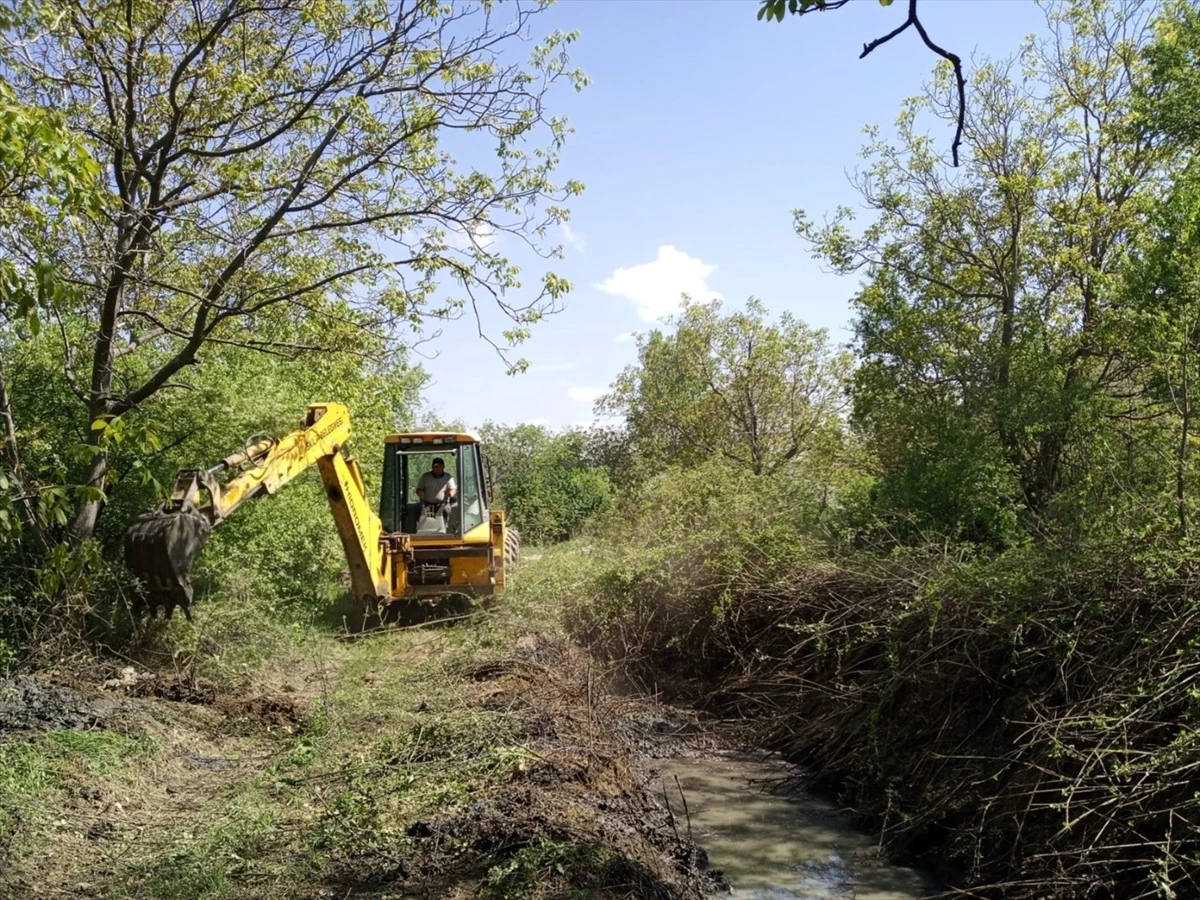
(30, 704)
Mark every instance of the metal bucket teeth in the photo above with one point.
(159, 549)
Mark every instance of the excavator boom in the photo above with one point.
(161, 545)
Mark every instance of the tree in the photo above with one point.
(1169, 96)
(1158, 318)
(545, 482)
(1157, 315)
(46, 176)
(761, 395)
(984, 325)
(609, 447)
(281, 179)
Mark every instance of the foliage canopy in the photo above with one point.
(284, 179)
(734, 385)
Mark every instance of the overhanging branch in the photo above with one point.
(914, 21)
(773, 9)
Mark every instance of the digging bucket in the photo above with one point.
(160, 547)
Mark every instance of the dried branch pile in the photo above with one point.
(1024, 731)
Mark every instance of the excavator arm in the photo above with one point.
(162, 544)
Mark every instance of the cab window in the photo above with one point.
(420, 463)
(414, 464)
(472, 499)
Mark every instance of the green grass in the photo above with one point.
(394, 735)
(425, 750)
(580, 865)
(229, 639)
(210, 864)
(34, 767)
(105, 752)
(534, 595)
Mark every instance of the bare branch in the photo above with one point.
(914, 21)
(18, 469)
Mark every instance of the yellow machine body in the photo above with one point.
(403, 549)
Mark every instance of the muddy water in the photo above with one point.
(773, 845)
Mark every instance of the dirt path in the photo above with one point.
(482, 759)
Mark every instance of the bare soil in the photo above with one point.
(577, 816)
(584, 787)
(28, 703)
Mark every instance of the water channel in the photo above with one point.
(773, 845)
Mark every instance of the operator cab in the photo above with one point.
(407, 458)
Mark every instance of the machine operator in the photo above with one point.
(437, 486)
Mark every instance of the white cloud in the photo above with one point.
(655, 287)
(585, 394)
(572, 237)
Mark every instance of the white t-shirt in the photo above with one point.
(434, 486)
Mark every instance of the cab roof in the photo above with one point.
(433, 438)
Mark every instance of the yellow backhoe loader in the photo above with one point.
(411, 548)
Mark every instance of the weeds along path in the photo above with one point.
(475, 758)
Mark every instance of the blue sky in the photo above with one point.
(700, 132)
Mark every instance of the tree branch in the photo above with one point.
(68, 356)
(14, 455)
(914, 21)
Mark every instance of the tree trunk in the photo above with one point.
(1181, 466)
(18, 468)
(1008, 437)
(1008, 313)
(1181, 462)
(1043, 478)
(87, 513)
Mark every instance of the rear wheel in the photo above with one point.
(512, 546)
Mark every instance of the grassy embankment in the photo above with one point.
(1024, 725)
(471, 759)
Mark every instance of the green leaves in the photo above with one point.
(760, 394)
(991, 292)
(49, 178)
(1169, 99)
(773, 10)
(547, 483)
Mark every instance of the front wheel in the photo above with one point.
(512, 546)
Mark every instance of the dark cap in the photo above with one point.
(438, 461)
